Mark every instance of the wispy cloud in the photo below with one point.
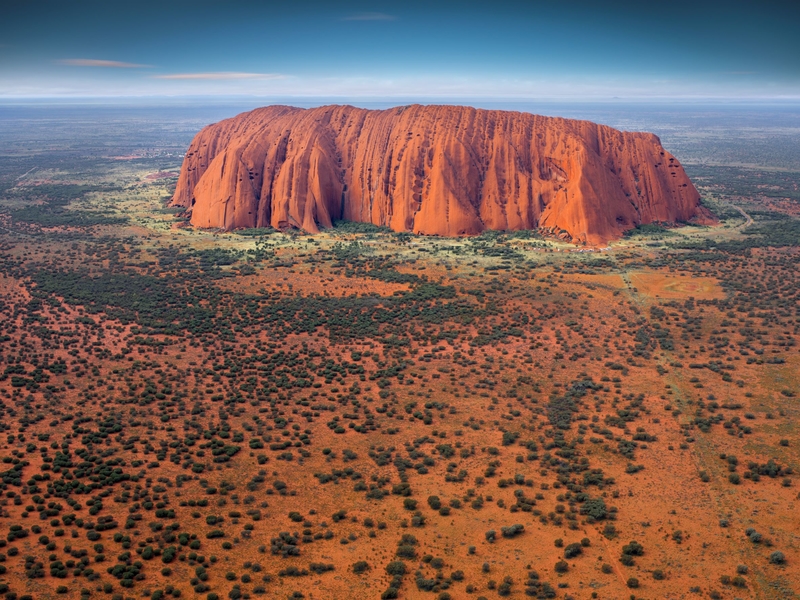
(370, 16)
(91, 62)
(221, 75)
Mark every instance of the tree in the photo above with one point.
(362, 566)
(396, 567)
(777, 558)
(573, 550)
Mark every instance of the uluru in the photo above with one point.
(434, 170)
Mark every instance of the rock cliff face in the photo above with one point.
(438, 170)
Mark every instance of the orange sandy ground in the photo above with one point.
(666, 496)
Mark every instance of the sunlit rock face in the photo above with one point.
(436, 170)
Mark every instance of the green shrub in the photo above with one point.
(396, 568)
(362, 566)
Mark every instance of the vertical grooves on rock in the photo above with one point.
(433, 169)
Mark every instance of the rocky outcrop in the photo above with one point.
(437, 170)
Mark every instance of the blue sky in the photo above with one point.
(410, 49)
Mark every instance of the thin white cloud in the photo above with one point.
(400, 88)
(370, 16)
(221, 75)
(91, 62)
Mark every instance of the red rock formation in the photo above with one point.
(442, 170)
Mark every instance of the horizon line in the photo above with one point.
(582, 98)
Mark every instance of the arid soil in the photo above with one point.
(363, 413)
